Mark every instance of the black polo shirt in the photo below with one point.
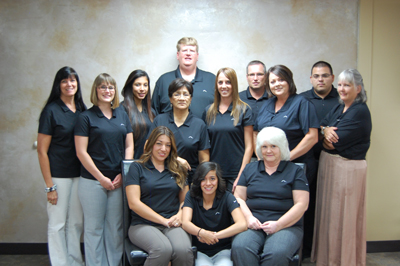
(107, 138)
(203, 91)
(158, 191)
(215, 219)
(354, 130)
(58, 121)
(323, 106)
(227, 140)
(295, 117)
(269, 197)
(252, 102)
(191, 137)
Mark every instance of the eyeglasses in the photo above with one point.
(104, 88)
(253, 75)
(326, 75)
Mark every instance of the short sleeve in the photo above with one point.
(231, 202)
(243, 178)
(46, 122)
(188, 201)
(82, 125)
(300, 180)
(204, 143)
(307, 115)
(248, 119)
(134, 174)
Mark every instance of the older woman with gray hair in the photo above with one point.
(273, 195)
(340, 217)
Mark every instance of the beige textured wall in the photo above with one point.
(379, 63)
(38, 37)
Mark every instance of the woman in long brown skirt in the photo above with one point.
(340, 218)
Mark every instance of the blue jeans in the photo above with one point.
(254, 247)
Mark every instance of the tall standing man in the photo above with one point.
(324, 96)
(256, 93)
(203, 82)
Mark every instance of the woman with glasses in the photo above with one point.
(103, 138)
(137, 104)
(190, 132)
(61, 168)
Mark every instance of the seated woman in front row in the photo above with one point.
(155, 188)
(207, 213)
(273, 195)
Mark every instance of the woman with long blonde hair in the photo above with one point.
(230, 128)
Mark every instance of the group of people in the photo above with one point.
(214, 168)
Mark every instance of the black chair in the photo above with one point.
(296, 259)
(132, 254)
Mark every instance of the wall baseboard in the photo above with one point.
(25, 249)
(41, 248)
(383, 246)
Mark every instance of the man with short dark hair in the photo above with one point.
(203, 82)
(256, 93)
(324, 96)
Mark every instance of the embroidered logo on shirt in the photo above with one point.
(190, 137)
(234, 201)
(204, 90)
(283, 181)
(217, 213)
(122, 124)
(233, 119)
(285, 116)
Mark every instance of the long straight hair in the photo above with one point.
(178, 170)
(138, 122)
(238, 106)
(64, 73)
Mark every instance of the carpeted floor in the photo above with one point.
(373, 259)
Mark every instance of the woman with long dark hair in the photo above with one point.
(213, 215)
(61, 168)
(155, 188)
(137, 104)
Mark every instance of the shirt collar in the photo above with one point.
(187, 120)
(197, 78)
(62, 105)
(281, 166)
(100, 114)
(249, 96)
(332, 94)
(149, 164)
(229, 108)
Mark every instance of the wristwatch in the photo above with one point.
(50, 189)
(322, 130)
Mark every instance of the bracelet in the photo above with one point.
(50, 189)
(198, 233)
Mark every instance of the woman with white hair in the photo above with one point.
(340, 217)
(273, 195)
